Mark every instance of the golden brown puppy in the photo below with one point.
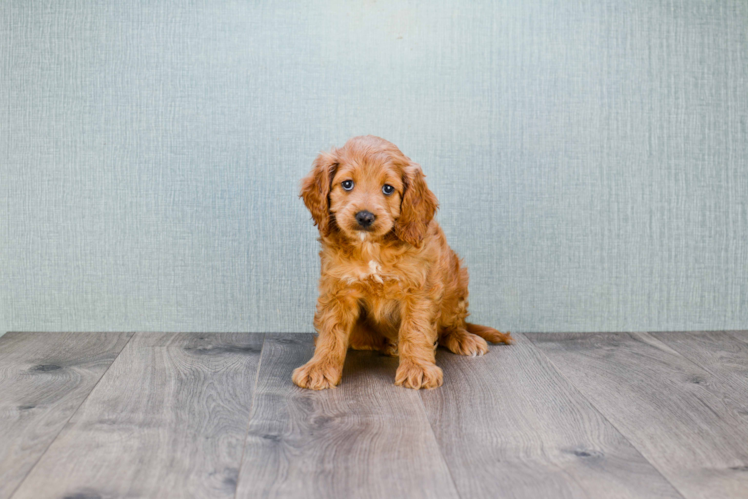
(389, 280)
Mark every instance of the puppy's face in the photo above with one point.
(365, 197)
(368, 189)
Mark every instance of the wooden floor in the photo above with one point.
(91, 415)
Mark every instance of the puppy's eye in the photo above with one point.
(347, 185)
(387, 189)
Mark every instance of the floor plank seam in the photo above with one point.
(251, 414)
(603, 415)
(733, 334)
(438, 446)
(687, 358)
(62, 428)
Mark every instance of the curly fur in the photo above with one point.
(397, 287)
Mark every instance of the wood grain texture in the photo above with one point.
(510, 426)
(723, 354)
(673, 410)
(741, 335)
(168, 420)
(365, 438)
(44, 377)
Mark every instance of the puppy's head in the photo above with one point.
(367, 189)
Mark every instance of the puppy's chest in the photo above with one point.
(372, 274)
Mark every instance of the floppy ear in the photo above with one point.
(315, 190)
(417, 207)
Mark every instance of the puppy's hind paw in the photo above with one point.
(466, 344)
(415, 376)
(316, 376)
(390, 349)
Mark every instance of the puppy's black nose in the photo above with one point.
(365, 219)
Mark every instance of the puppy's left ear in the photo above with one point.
(417, 207)
(315, 189)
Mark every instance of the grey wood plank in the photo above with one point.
(44, 377)
(741, 335)
(723, 354)
(365, 438)
(671, 409)
(510, 426)
(167, 420)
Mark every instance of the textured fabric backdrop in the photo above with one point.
(591, 157)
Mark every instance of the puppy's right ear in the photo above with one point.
(315, 190)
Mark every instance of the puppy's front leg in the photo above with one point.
(416, 341)
(336, 314)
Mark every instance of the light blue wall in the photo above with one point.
(591, 157)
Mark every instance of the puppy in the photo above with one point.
(389, 280)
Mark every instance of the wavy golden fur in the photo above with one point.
(392, 285)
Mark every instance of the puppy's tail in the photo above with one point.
(490, 334)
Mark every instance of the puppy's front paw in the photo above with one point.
(415, 376)
(317, 375)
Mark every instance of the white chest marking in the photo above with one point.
(375, 269)
(374, 272)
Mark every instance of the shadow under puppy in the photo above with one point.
(389, 280)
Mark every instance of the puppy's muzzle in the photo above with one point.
(365, 219)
